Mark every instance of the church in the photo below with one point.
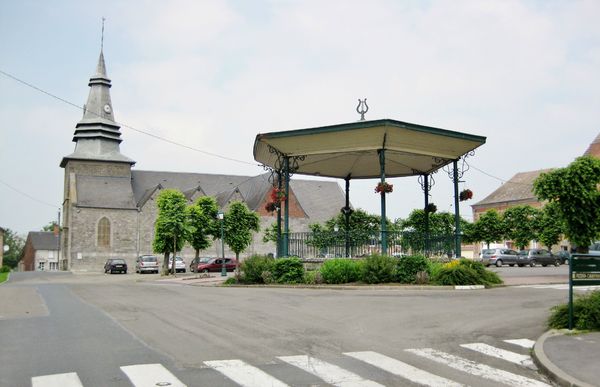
(109, 207)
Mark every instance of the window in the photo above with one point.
(104, 232)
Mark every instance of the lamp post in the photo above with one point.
(221, 217)
(336, 228)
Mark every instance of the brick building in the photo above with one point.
(40, 252)
(109, 208)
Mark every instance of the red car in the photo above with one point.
(216, 264)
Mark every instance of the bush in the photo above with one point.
(313, 277)
(230, 281)
(288, 271)
(408, 267)
(378, 269)
(254, 267)
(586, 313)
(340, 271)
(464, 272)
(4, 269)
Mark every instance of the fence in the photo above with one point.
(360, 244)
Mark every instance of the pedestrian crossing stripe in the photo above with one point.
(246, 375)
(476, 369)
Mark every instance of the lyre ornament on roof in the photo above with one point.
(462, 168)
(362, 108)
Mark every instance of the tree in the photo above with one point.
(238, 223)
(520, 224)
(270, 233)
(15, 245)
(441, 230)
(203, 217)
(172, 227)
(50, 226)
(575, 190)
(550, 225)
(488, 228)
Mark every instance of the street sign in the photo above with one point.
(584, 270)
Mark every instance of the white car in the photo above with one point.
(179, 264)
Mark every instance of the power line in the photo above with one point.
(125, 125)
(27, 195)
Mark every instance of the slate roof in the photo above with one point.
(105, 192)
(43, 240)
(518, 189)
(319, 199)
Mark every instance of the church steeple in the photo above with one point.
(97, 135)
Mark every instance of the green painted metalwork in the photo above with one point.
(456, 210)
(383, 213)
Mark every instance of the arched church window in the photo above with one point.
(104, 232)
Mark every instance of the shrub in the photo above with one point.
(377, 269)
(340, 271)
(313, 277)
(254, 267)
(4, 269)
(288, 270)
(230, 281)
(408, 267)
(586, 313)
(464, 272)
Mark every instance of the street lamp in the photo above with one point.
(336, 228)
(221, 216)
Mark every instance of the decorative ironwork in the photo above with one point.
(430, 182)
(362, 108)
(462, 168)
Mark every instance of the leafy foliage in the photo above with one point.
(15, 245)
(172, 224)
(414, 229)
(288, 270)
(202, 216)
(520, 224)
(550, 225)
(408, 267)
(586, 313)
(239, 223)
(488, 228)
(254, 267)
(378, 269)
(465, 272)
(575, 190)
(340, 271)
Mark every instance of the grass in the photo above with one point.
(3, 277)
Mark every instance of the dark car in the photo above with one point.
(196, 261)
(216, 264)
(115, 265)
(564, 256)
(534, 257)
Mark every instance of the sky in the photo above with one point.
(211, 75)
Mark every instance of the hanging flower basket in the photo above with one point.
(277, 195)
(431, 208)
(384, 187)
(465, 194)
(271, 207)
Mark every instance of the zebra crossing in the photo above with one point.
(561, 287)
(241, 373)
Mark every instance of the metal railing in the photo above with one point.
(324, 244)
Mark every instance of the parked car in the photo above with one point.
(113, 265)
(534, 257)
(564, 256)
(146, 263)
(179, 264)
(216, 264)
(196, 261)
(499, 256)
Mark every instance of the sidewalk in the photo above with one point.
(200, 279)
(569, 359)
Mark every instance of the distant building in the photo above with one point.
(1, 246)
(40, 252)
(109, 208)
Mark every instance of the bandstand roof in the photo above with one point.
(352, 149)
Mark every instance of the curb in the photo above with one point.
(550, 369)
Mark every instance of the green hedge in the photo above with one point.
(288, 271)
(378, 269)
(464, 272)
(256, 268)
(408, 267)
(340, 271)
(586, 313)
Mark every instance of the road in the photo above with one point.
(104, 330)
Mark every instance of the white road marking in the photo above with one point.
(516, 358)
(476, 369)
(143, 375)
(244, 374)
(402, 369)
(58, 380)
(330, 373)
(561, 287)
(525, 343)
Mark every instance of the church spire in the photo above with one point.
(97, 135)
